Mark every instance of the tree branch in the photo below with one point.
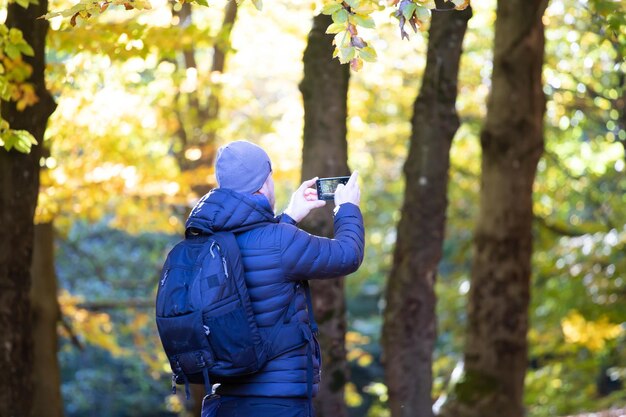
(115, 304)
(558, 228)
(70, 332)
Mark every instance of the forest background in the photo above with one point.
(120, 172)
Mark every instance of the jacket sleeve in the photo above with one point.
(305, 256)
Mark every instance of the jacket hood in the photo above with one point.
(226, 210)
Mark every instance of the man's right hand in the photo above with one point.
(303, 201)
(349, 193)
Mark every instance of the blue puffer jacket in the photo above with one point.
(276, 256)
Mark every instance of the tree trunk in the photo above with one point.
(512, 143)
(47, 400)
(19, 186)
(409, 329)
(325, 153)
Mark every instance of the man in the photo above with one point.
(278, 258)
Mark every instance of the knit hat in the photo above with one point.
(242, 166)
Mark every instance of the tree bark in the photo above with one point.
(19, 186)
(512, 143)
(409, 329)
(47, 400)
(325, 153)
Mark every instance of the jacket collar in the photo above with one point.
(226, 210)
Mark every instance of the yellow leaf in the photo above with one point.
(336, 27)
(591, 334)
(330, 8)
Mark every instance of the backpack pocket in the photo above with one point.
(185, 344)
(231, 339)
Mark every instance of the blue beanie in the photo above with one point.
(242, 166)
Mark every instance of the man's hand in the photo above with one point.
(303, 201)
(349, 193)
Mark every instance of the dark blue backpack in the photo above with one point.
(204, 314)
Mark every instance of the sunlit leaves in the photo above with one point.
(347, 17)
(350, 15)
(591, 334)
(94, 328)
(21, 140)
(414, 13)
(14, 73)
(417, 13)
(88, 8)
(126, 40)
(258, 4)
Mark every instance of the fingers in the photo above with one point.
(308, 183)
(353, 178)
(310, 194)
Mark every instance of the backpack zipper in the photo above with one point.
(225, 267)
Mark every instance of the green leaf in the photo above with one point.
(24, 141)
(346, 54)
(368, 54)
(353, 3)
(331, 8)
(408, 9)
(203, 3)
(23, 3)
(4, 91)
(26, 49)
(15, 35)
(12, 51)
(423, 13)
(340, 16)
(336, 28)
(364, 21)
(258, 4)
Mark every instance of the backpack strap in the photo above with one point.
(309, 307)
(195, 232)
(309, 376)
(309, 349)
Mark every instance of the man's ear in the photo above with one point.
(265, 189)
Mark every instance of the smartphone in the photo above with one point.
(326, 187)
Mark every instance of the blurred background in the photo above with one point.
(121, 170)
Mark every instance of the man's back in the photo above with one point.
(276, 257)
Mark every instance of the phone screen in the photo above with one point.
(326, 187)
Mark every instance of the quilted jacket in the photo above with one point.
(277, 256)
